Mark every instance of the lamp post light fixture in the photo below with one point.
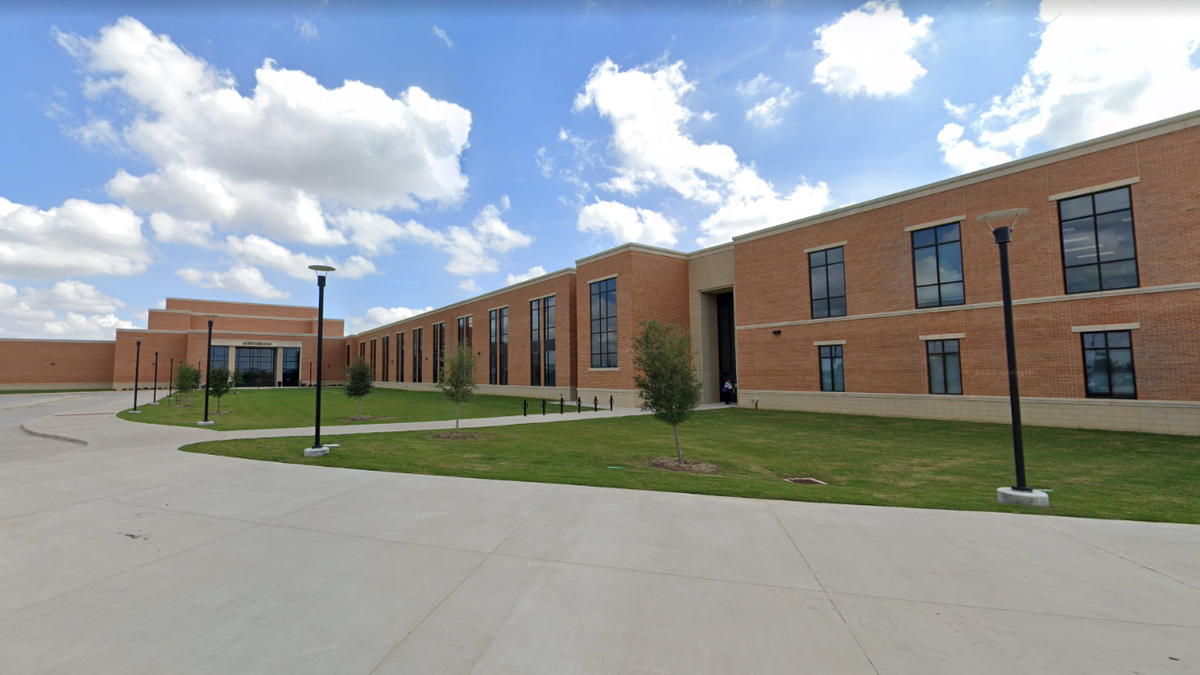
(1002, 230)
(137, 362)
(207, 376)
(322, 270)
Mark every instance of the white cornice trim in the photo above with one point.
(1106, 327)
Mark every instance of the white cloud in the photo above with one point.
(174, 231)
(752, 87)
(306, 28)
(441, 35)
(95, 132)
(645, 107)
(768, 113)
(275, 161)
(239, 278)
(958, 112)
(869, 51)
(77, 238)
(544, 163)
(626, 223)
(533, 273)
(1101, 67)
(380, 316)
(87, 314)
(257, 250)
(469, 285)
(965, 156)
(753, 204)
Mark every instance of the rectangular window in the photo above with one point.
(218, 357)
(503, 345)
(1097, 241)
(832, 378)
(464, 330)
(418, 354)
(399, 357)
(373, 371)
(535, 343)
(347, 356)
(945, 366)
(604, 323)
(386, 357)
(548, 341)
(938, 266)
(492, 347)
(362, 350)
(439, 349)
(827, 274)
(1108, 364)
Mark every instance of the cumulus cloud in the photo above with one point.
(381, 316)
(469, 285)
(533, 273)
(1101, 67)
(239, 278)
(257, 250)
(170, 230)
(869, 51)
(441, 35)
(646, 109)
(273, 162)
(68, 309)
(77, 238)
(769, 112)
(625, 223)
(752, 87)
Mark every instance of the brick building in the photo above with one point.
(886, 307)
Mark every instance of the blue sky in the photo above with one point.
(436, 153)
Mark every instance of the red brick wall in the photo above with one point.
(46, 362)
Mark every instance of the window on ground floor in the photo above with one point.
(1108, 364)
(945, 367)
(832, 378)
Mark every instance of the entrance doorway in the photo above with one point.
(718, 344)
(726, 346)
(257, 365)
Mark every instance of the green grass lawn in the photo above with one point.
(865, 460)
(286, 408)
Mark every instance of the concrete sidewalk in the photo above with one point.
(126, 556)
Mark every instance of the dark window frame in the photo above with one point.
(824, 265)
(535, 343)
(1062, 244)
(503, 345)
(386, 356)
(373, 370)
(937, 260)
(1106, 349)
(418, 354)
(603, 325)
(493, 346)
(400, 356)
(549, 356)
(835, 353)
(940, 354)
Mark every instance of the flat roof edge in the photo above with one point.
(631, 246)
(1132, 135)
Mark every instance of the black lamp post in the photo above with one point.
(207, 377)
(171, 379)
(137, 362)
(155, 399)
(1003, 236)
(317, 449)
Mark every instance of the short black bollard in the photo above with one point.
(543, 406)
(610, 404)
(524, 408)
(560, 404)
(595, 404)
(579, 404)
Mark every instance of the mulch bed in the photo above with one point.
(458, 436)
(688, 466)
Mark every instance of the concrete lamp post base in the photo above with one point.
(1007, 495)
(202, 423)
(134, 412)
(316, 452)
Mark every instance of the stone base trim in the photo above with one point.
(622, 398)
(1159, 417)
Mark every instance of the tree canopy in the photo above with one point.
(359, 382)
(664, 376)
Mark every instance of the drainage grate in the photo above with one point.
(806, 481)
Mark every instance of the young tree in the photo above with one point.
(219, 384)
(239, 379)
(187, 378)
(358, 381)
(664, 376)
(457, 382)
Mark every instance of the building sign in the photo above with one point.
(253, 343)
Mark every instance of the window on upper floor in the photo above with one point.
(827, 277)
(1097, 241)
(938, 266)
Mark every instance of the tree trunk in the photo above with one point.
(360, 406)
(678, 448)
(218, 405)
(457, 416)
